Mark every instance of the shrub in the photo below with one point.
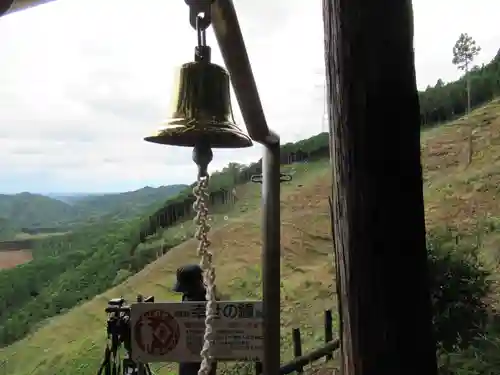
(481, 358)
(459, 287)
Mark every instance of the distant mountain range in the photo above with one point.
(72, 197)
(27, 210)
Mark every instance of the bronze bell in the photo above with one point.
(201, 110)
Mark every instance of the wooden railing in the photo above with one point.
(302, 360)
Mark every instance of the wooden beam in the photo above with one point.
(378, 208)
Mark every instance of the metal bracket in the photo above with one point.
(196, 7)
(284, 177)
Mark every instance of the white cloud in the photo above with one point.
(82, 82)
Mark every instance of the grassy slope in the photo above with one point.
(465, 198)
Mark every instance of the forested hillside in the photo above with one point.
(34, 210)
(446, 101)
(7, 230)
(65, 270)
(124, 205)
(35, 213)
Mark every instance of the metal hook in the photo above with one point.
(256, 178)
(284, 177)
(200, 19)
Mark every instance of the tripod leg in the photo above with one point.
(141, 369)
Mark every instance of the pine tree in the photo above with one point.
(464, 51)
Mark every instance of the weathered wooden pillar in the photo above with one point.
(378, 208)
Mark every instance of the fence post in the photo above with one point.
(328, 331)
(297, 347)
(258, 368)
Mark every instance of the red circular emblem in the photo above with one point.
(157, 332)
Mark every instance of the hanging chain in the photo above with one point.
(201, 193)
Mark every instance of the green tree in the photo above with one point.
(464, 51)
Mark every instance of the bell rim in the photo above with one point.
(173, 137)
(160, 141)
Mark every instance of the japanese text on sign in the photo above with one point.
(173, 332)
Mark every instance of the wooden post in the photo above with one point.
(378, 209)
(297, 347)
(328, 331)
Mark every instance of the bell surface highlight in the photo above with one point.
(201, 110)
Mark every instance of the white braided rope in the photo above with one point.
(201, 193)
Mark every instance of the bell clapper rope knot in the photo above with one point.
(202, 156)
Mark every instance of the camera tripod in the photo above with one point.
(112, 366)
(119, 334)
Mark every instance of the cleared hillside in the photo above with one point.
(465, 199)
(13, 258)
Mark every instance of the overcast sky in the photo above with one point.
(80, 86)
